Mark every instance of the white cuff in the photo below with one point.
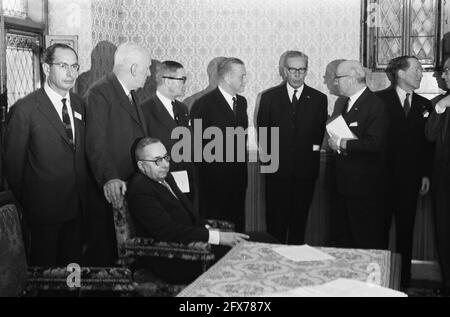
(339, 145)
(439, 109)
(214, 237)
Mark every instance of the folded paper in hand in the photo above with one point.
(338, 128)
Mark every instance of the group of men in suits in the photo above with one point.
(69, 161)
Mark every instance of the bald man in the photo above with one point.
(358, 222)
(114, 122)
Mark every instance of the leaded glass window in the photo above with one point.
(401, 27)
(22, 65)
(15, 8)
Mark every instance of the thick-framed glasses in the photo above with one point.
(158, 161)
(66, 67)
(336, 78)
(184, 78)
(294, 70)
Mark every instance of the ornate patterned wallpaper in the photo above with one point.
(256, 31)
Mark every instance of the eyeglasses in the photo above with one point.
(184, 78)
(300, 70)
(158, 161)
(446, 70)
(342, 76)
(66, 67)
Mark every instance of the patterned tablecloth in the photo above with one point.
(254, 269)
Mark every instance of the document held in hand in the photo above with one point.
(182, 180)
(338, 128)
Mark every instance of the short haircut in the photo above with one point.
(289, 54)
(49, 52)
(166, 68)
(226, 66)
(141, 144)
(396, 64)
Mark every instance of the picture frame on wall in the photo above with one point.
(70, 40)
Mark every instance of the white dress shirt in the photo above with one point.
(290, 90)
(56, 98)
(167, 103)
(355, 97)
(402, 96)
(228, 97)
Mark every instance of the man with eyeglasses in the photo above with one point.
(114, 121)
(358, 221)
(163, 113)
(409, 154)
(300, 114)
(161, 211)
(437, 129)
(45, 161)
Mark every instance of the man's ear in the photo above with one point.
(133, 69)
(140, 166)
(46, 69)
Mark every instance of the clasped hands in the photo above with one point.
(114, 191)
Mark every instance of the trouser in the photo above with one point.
(287, 208)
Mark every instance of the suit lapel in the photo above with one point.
(79, 125)
(125, 102)
(48, 110)
(354, 111)
(163, 115)
(224, 107)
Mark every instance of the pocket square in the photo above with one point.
(426, 114)
(354, 124)
(78, 115)
(316, 147)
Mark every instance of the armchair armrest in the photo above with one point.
(91, 279)
(222, 225)
(194, 251)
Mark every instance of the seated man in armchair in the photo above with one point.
(160, 210)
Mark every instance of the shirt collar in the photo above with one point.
(228, 97)
(402, 94)
(166, 102)
(125, 89)
(54, 96)
(355, 97)
(291, 89)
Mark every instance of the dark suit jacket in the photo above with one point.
(113, 124)
(301, 127)
(158, 214)
(45, 172)
(214, 111)
(409, 153)
(361, 171)
(437, 130)
(160, 125)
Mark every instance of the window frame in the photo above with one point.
(369, 42)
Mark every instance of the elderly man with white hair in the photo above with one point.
(358, 221)
(114, 121)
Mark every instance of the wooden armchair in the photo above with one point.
(132, 248)
(17, 279)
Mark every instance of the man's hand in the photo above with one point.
(232, 238)
(333, 142)
(114, 191)
(444, 102)
(425, 188)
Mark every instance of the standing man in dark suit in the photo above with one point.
(163, 113)
(361, 164)
(409, 154)
(45, 161)
(114, 122)
(223, 182)
(437, 129)
(300, 114)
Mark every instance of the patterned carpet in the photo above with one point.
(425, 289)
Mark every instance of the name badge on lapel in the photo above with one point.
(78, 115)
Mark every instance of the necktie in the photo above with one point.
(176, 116)
(234, 105)
(164, 183)
(130, 97)
(66, 121)
(406, 105)
(294, 97)
(347, 103)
